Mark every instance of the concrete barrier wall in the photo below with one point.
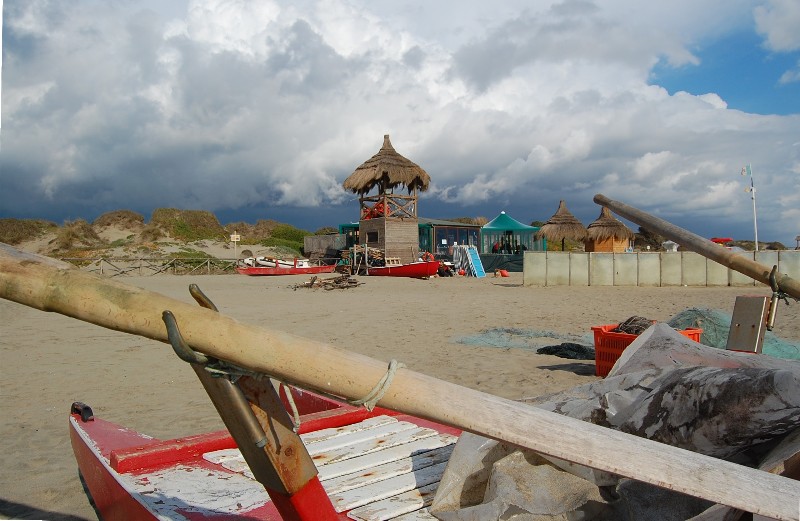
(645, 269)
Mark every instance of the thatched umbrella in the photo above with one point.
(608, 227)
(562, 226)
(387, 169)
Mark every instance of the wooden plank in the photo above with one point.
(392, 507)
(50, 285)
(359, 436)
(388, 488)
(418, 515)
(386, 455)
(387, 470)
(369, 445)
(325, 434)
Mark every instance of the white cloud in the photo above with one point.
(238, 103)
(778, 21)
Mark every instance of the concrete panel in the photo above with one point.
(789, 263)
(578, 269)
(738, 279)
(534, 268)
(671, 269)
(650, 269)
(601, 269)
(557, 268)
(693, 266)
(625, 269)
(716, 274)
(767, 258)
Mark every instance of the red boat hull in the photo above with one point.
(131, 476)
(418, 270)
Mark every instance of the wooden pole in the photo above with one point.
(50, 285)
(704, 247)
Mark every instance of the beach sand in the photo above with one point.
(49, 361)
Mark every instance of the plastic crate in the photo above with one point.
(609, 345)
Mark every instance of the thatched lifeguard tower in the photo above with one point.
(388, 220)
(607, 234)
(562, 226)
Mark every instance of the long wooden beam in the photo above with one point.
(704, 247)
(49, 285)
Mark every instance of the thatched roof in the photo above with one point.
(562, 225)
(387, 169)
(607, 226)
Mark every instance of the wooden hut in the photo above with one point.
(562, 226)
(607, 234)
(389, 220)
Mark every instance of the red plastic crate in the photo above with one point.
(609, 345)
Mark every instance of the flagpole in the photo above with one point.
(752, 189)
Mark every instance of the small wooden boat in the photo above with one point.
(372, 465)
(270, 266)
(418, 270)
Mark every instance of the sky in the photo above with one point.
(260, 110)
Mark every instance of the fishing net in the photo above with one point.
(521, 338)
(716, 327)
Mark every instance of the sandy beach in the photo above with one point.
(49, 360)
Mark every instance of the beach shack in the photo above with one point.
(608, 234)
(388, 185)
(439, 236)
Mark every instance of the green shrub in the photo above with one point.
(15, 231)
(188, 225)
(289, 233)
(293, 247)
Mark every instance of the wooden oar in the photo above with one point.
(704, 247)
(49, 285)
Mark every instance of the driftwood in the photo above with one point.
(341, 282)
(37, 282)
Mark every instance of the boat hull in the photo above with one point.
(418, 270)
(281, 270)
(131, 476)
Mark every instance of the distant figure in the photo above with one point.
(496, 247)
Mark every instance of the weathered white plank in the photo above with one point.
(352, 438)
(389, 454)
(418, 515)
(369, 445)
(332, 432)
(387, 488)
(387, 470)
(395, 506)
(218, 456)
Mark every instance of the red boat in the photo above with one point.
(418, 270)
(371, 465)
(268, 266)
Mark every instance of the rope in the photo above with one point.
(377, 392)
(289, 398)
(222, 369)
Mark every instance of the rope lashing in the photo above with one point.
(377, 392)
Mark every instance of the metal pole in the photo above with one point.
(752, 189)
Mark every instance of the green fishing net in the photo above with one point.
(716, 326)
